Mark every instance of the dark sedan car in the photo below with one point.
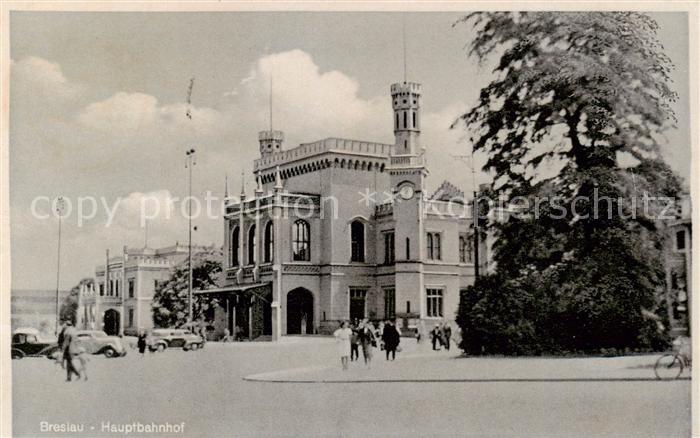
(30, 343)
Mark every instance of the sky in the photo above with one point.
(98, 104)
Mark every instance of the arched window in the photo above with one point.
(301, 241)
(397, 120)
(414, 119)
(405, 120)
(252, 240)
(233, 247)
(269, 242)
(357, 241)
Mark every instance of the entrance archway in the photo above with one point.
(111, 322)
(300, 312)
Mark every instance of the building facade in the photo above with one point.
(678, 268)
(343, 229)
(119, 301)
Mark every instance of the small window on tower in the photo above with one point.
(404, 101)
(269, 146)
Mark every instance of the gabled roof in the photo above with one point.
(448, 192)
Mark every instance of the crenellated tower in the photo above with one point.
(405, 98)
(270, 142)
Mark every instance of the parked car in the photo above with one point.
(30, 342)
(174, 338)
(98, 342)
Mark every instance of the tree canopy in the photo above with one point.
(574, 96)
(170, 300)
(572, 86)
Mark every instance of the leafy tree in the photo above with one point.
(170, 300)
(69, 306)
(574, 92)
(577, 87)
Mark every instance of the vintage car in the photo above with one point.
(29, 342)
(161, 339)
(98, 342)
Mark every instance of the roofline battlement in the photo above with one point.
(405, 87)
(271, 135)
(332, 144)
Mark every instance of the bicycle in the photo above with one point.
(670, 366)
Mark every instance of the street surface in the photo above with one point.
(206, 390)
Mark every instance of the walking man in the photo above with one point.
(448, 335)
(70, 349)
(391, 339)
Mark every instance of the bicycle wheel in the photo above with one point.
(668, 367)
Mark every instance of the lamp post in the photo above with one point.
(189, 164)
(60, 204)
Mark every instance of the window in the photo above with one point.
(414, 119)
(408, 248)
(269, 242)
(300, 241)
(131, 288)
(156, 284)
(233, 247)
(358, 297)
(408, 307)
(389, 303)
(389, 248)
(252, 241)
(405, 122)
(116, 287)
(680, 240)
(434, 307)
(397, 121)
(131, 317)
(357, 239)
(465, 249)
(434, 246)
(102, 289)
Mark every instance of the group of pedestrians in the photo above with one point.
(72, 356)
(440, 336)
(363, 334)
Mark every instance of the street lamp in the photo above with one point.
(60, 205)
(189, 164)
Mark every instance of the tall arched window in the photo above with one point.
(301, 241)
(269, 242)
(357, 241)
(233, 247)
(405, 120)
(252, 240)
(397, 121)
(414, 119)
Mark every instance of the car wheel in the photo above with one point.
(16, 354)
(160, 348)
(109, 352)
(194, 346)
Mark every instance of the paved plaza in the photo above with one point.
(296, 388)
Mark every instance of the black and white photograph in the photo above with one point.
(241, 219)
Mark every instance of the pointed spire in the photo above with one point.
(270, 101)
(242, 185)
(404, 47)
(278, 179)
(258, 188)
(226, 186)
